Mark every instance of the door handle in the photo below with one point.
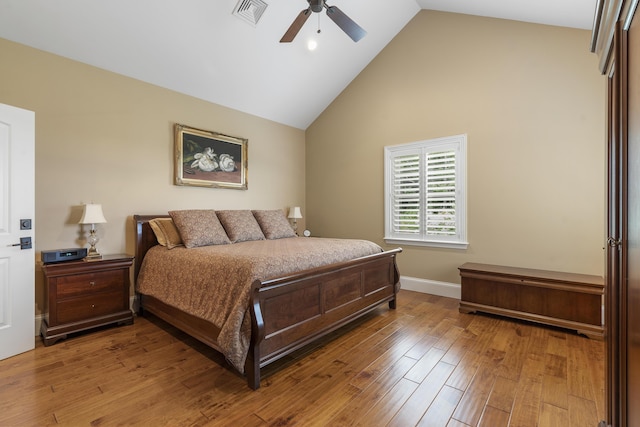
(25, 243)
(613, 242)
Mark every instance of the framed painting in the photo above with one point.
(209, 159)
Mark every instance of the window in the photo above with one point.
(425, 192)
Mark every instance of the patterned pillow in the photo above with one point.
(166, 232)
(199, 227)
(240, 225)
(274, 224)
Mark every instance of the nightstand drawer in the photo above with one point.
(83, 308)
(82, 284)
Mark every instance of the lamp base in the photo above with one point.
(93, 253)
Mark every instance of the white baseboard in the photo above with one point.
(39, 318)
(443, 289)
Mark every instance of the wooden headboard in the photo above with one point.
(145, 238)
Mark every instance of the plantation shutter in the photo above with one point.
(440, 215)
(425, 193)
(406, 194)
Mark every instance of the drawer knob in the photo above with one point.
(93, 306)
(92, 283)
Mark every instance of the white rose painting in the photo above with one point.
(209, 159)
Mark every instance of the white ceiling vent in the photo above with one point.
(250, 10)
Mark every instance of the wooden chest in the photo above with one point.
(567, 300)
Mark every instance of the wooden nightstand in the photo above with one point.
(85, 294)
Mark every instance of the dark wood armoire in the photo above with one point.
(616, 41)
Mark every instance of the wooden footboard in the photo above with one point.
(290, 312)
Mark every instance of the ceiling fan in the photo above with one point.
(347, 25)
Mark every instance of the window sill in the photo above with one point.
(428, 243)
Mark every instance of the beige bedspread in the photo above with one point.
(214, 282)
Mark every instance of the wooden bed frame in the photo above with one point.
(289, 312)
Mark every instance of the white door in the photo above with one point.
(17, 205)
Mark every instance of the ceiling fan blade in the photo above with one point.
(295, 26)
(347, 25)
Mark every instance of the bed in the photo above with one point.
(282, 313)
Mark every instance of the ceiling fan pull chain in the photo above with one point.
(318, 23)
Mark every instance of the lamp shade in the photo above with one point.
(295, 212)
(92, 214)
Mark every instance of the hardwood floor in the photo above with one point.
(424, 364)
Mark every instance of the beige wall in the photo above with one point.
(529, 97)
(531, 101)
(106, 138)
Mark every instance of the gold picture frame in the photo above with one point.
(209, 159)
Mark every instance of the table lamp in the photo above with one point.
(295, 214)
(92, 215)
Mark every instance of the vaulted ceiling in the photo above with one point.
(200, 48)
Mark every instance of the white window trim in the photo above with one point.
(459, 142)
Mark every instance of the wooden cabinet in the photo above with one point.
(567, 300)
(616, 40)
(85, 294)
